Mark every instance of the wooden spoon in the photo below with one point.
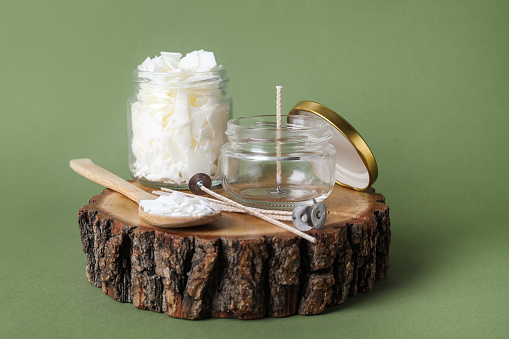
(97, 174)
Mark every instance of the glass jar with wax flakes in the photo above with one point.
(177, 119)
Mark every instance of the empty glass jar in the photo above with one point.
(271, 168)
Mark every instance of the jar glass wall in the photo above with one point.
(278, 169)
(177, 123)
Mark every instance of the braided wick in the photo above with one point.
(257, 214)
(278, 136)
(278, 215)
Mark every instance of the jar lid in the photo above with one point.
(356, 167)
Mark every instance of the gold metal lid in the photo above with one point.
(356, 167)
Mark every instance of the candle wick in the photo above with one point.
(278, 136)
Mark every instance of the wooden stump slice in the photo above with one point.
(240, 266)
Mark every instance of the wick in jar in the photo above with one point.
(278, 190)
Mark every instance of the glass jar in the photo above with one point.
(177, 123)
(271, 168)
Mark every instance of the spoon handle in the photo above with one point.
(97, 174)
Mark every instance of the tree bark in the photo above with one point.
(240, 266)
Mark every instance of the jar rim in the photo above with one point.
(262, 130)
(317, 123)
(219, 71)
(188, 78)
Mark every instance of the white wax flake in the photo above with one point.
(171, 56)
(181, 112)
(179, 205)
(178, 110)
(147, 65)
(198, 61)
(190, 62)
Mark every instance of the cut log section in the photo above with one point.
(237, 267)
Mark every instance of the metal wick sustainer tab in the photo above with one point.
(305, 218)
(198, 181)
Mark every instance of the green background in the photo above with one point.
(425, 82)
